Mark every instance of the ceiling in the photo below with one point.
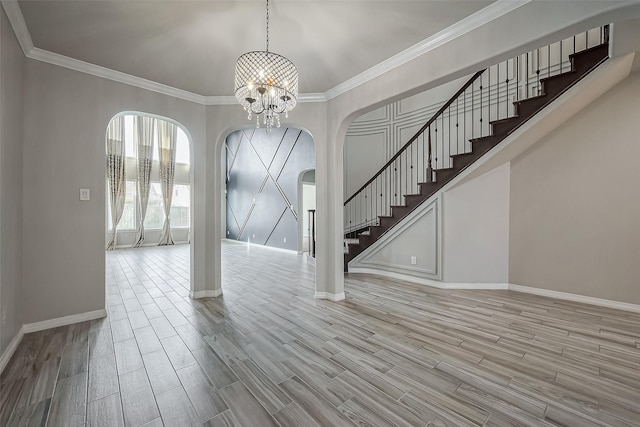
(193, 45)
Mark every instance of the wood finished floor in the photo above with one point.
(267, 353)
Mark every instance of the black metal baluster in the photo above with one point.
(517, 78)
(464, 117)
(526, 95)
(586, 40)
(561, 60)
(429, 166)
(481, 134)
(473, 111)
(436, 130)
(498, 92)
(457, 126)
(538, 69)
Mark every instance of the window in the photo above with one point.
(128, 220)
(180, 206)
(155, 211)
(129, 146)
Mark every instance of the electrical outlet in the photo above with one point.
(414, 260)
(4, 314)
(285, 240)
(253, 236)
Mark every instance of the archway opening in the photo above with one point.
(134, 150)
(262, 180)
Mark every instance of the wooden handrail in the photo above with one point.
(422, 129)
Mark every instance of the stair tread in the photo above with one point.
(470, 153)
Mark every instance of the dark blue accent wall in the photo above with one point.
(262, 184)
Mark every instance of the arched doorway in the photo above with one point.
(261, 185)
(148, 181)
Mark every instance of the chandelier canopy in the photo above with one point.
(266, 84)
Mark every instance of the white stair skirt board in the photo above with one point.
(601, 302)
(64, 321)
(211, 293)
(427, 282)
(330, 297)
(8, 353)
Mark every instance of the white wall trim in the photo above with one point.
(249, 244)
(363, 259)
(63, 321)
(209, 293)
(107, 73)
(11, 348)
(16, 19)
(329, 296)
(601, 302)
(460, 28)
(483, 16)
(427, 282)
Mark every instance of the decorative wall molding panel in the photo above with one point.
(262, 184)
(419, 236)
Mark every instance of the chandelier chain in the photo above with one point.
(267, 25)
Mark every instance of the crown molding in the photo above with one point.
(107, 73)
(483, 16)
(14, 14)
(493, 11)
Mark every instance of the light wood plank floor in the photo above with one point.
(267, 353)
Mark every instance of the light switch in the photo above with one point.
(85, 194)
(414, 260)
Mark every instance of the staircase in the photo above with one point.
(486, 110)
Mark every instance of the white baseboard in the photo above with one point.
(428, 282)
(63, 321)
(211, 293)
(330, 297)
(618, 305)
(11, 348)
(257, 245)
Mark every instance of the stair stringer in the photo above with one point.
(567, 105)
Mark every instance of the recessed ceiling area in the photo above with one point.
(193, 45)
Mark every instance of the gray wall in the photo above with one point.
(66, 115)
(575, 203)
(262, 184)
(11, 91)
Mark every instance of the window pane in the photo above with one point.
(128, 219)
(182, 147)
(155, 213)
(129, 147)
(180, 206)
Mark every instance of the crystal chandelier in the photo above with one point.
(266, 84)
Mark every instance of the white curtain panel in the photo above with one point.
(143, 137)
(167, 135)
(116, 175)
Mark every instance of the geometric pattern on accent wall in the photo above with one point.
(262, 184)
